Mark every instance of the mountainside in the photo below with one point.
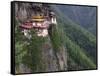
(79, 41)
(70, 45)
(83, 15)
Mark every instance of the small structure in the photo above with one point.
(53, 18)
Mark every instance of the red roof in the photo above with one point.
(29, 25)
(26, 25)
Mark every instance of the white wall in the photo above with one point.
(5, 38)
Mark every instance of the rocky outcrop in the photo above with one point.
(52, 60)
(55, 61)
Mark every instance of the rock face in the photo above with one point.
(55, 61)
(51, 60)
(49, 57)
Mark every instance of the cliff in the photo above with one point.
(39, 54)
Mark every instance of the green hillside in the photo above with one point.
(81, 45)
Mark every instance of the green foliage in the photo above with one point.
(28, 51)
(57, 38)
(78, 55)
(84, 39)
(81, 45)
(34, 53)
(18, 44)
(72, 64)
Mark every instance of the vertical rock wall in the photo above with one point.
(53, 61)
